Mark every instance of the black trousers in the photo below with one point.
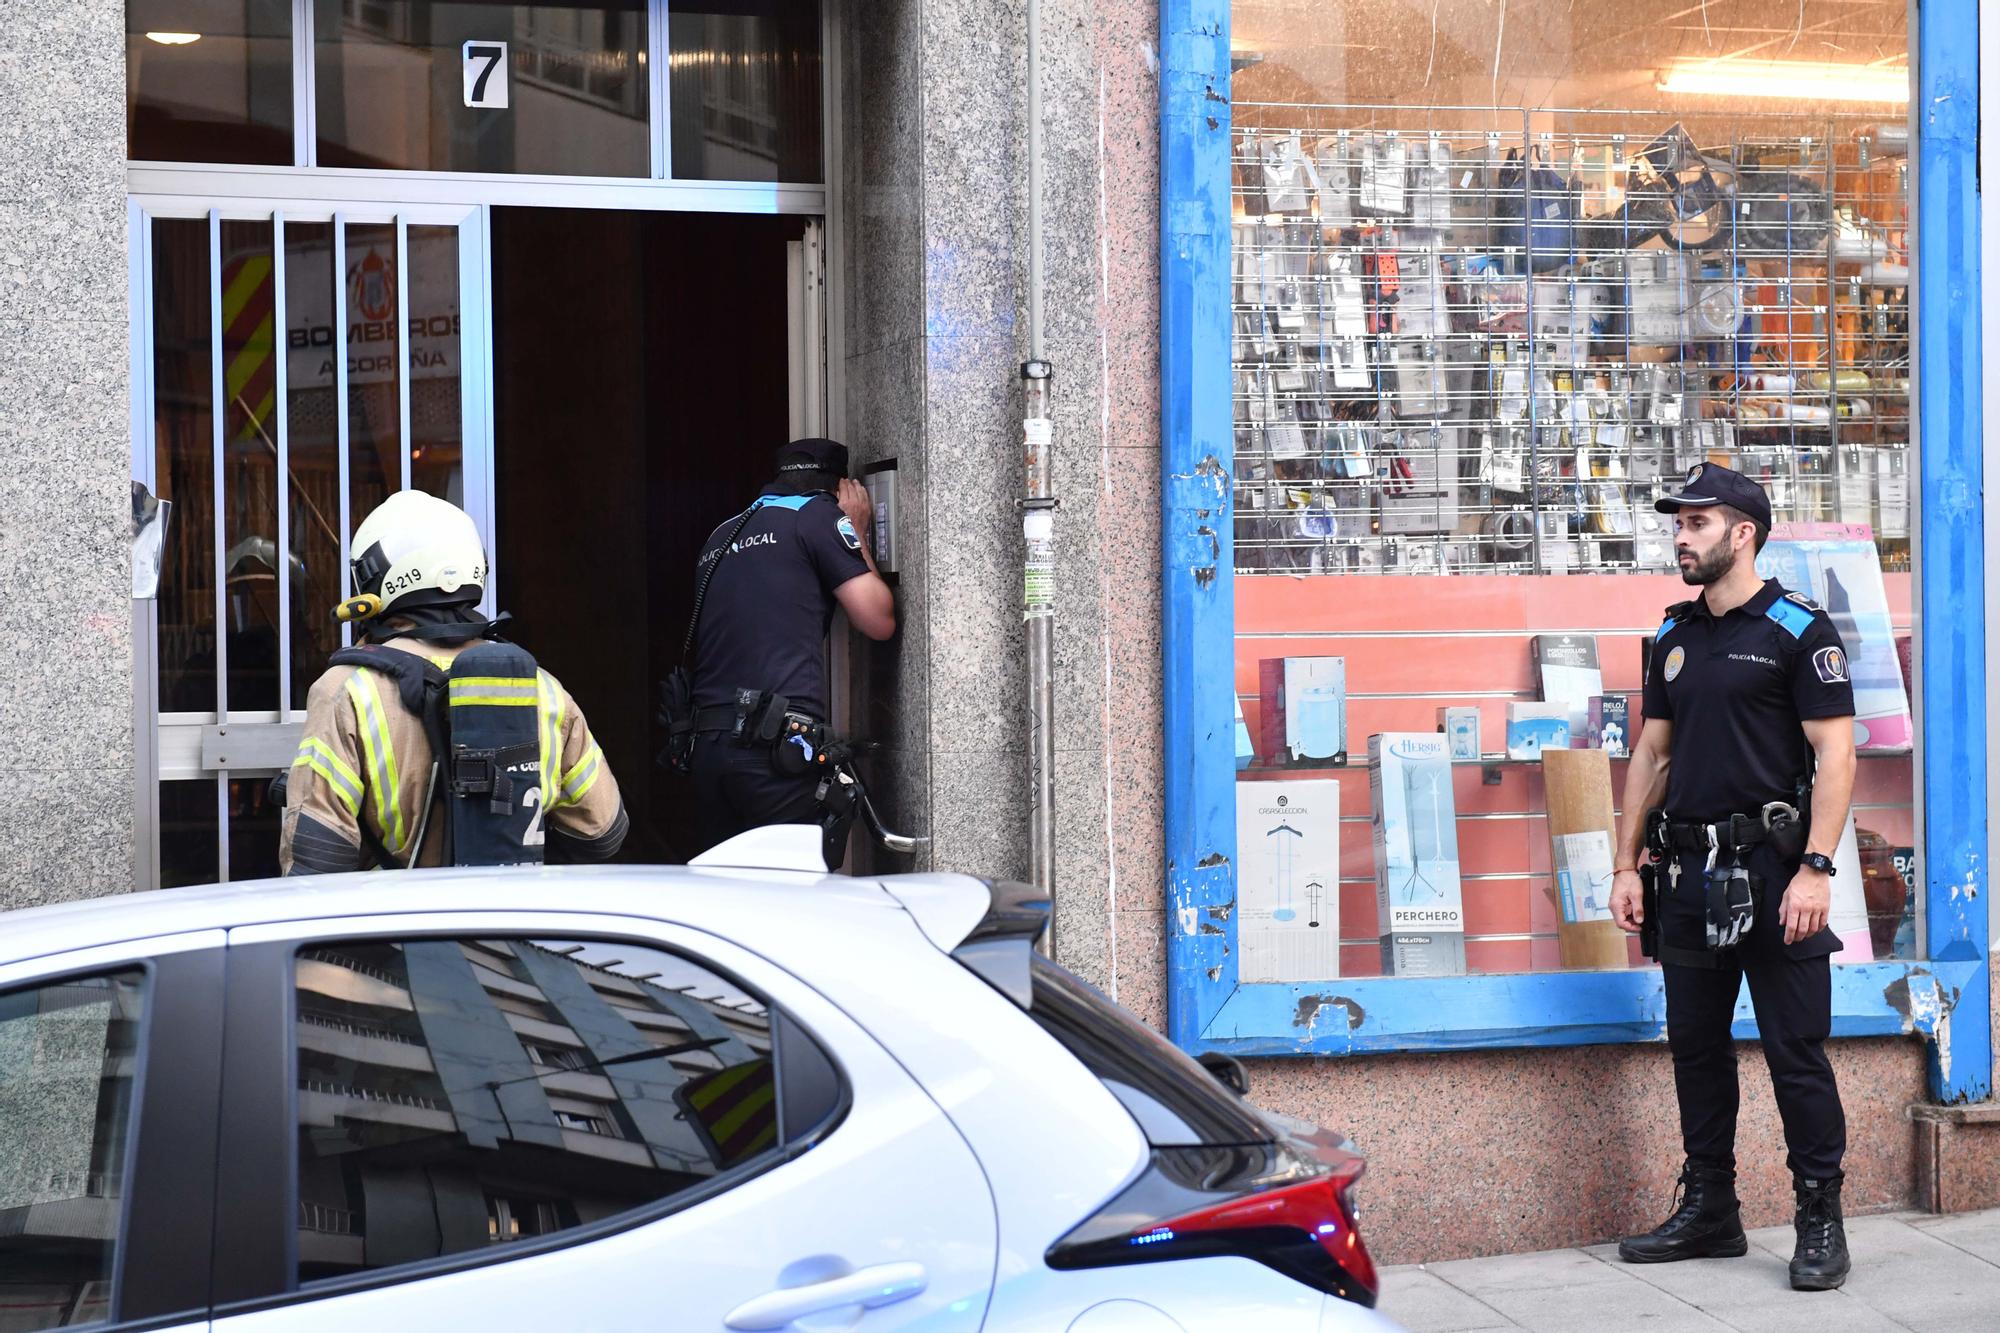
(1793, 999)
(737, 789)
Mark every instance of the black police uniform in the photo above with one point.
(763, 627)
(1736, 689)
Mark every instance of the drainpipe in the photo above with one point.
(1038, 506)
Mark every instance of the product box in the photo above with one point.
(1582, 835)
(1304, 702)
(1412, 514)
(1840, 567)
(1418, 899)
(1847, 913)
(1288, 880)
(1245, 754)
(1535, 727)
(1566, 672)
(1610, 724)
(1460, 726)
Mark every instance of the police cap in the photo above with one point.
(815, 454)
(1713, 484)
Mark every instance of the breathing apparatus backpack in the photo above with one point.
(483, 720)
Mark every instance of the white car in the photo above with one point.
(643, 1099)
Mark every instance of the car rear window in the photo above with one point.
(1176, 1102)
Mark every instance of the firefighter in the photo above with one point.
(428, 677)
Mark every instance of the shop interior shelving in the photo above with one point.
(1470, 341)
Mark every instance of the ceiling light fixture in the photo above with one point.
(173, 38)
(1795, 79)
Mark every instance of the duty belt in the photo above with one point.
(1736, 833)
(721, 717)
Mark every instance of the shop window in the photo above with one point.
(68, 1053)
(1494, 289)
(745, 88)
(570, 98)
(443, 1111)
(208, 81)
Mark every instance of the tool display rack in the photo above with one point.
(1487, 348)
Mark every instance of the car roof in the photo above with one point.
(719, 900)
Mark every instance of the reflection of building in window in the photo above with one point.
(66, 1070)
(735, 67)
(457, 1094)
(587, 53)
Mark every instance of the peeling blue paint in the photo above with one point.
(1198, 429)
(1951, 561)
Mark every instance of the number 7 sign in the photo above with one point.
(486, 74)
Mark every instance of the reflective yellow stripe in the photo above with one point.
(753, 1103)
(551, 719)
(491, 701)
(317, 755)
(492, 690)
(380, 755)
(576, 783)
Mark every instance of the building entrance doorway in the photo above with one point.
(645, 367)
(598, 388)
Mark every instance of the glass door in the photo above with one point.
(291, 369)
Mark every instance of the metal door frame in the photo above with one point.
(305, 191)
(171, 747)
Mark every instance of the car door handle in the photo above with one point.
(869, 1288)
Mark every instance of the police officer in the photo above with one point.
(802, 548)
(1748, 746)
(364, 791)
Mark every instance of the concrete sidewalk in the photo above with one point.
(1912, 1271)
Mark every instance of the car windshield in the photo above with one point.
(1176, 1102)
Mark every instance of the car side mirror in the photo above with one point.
(1228, 1071)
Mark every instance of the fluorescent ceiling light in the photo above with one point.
(1797, 79)
(173, 38)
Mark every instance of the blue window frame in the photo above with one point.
(1945, 999)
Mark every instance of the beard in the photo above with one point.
(1709, 566)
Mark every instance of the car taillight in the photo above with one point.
(1305, 1228)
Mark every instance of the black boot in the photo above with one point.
(1706, 1225)
(1820, 1262)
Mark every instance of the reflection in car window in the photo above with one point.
(67, 1058)
(1176, 1102)
(456, 1095)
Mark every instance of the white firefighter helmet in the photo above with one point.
(415, 550)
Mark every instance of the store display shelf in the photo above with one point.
(1494, 761)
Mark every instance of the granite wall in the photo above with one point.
(935, 186)
(65, 454)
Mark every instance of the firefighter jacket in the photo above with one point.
(357, 789)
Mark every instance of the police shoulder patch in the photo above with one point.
(1831, 665)
(1792, 618)
(1803, 600)
(848, 534)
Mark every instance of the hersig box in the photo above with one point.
(1288, 880)
(1418, 899)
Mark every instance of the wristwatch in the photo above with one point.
(1814, 861)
